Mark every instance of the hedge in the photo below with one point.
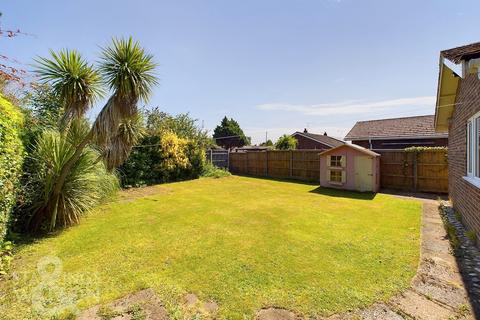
(11, 159)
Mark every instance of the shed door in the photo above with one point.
(363, 173)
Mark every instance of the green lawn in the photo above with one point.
(246, 243)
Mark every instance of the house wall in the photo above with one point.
(398, 144)
(306, 144)
(350, 155)
(465, 196)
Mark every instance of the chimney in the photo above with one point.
(305, 130)
(325, 133)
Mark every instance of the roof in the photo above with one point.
(329, 141)
(353, 146)
(396, 128)
(469, 51)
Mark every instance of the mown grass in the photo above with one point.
(246, 243)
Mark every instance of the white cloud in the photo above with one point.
(351, 107)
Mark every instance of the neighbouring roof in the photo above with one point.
(329, 141)
(467, 52)
(353, 146)
(396, 128)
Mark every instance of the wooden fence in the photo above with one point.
(294, 164)
(425, 171)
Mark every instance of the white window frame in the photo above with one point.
(338, 159)
(337, 172)
(473, 150)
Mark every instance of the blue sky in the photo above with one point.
(273, 65)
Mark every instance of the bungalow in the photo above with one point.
(397, 133)
(309, 141)
(458, 113)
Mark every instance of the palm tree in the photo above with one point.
(128, 72)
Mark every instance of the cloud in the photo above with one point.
(350, 107)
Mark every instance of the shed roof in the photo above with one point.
(353, 146)
(329, 141)
(403, 128)
(456, 55)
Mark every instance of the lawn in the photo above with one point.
(244, 242)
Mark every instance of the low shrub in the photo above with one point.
(213, 171)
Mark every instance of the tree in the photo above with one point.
(229, 134)
(127, 71)
(286, 142)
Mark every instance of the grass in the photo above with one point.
(246, 243)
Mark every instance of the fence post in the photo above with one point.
(246, 163)
(266, 163)
(291, 163)
(211, 156)
(228, 160)
(415, 172)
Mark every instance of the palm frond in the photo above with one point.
(75, 81)
(128, 70)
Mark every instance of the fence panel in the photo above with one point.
(218, 157)
(424, 171)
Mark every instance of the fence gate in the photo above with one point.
(218, 158)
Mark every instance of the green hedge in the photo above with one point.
(11, 158)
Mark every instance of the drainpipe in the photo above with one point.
(370, 142)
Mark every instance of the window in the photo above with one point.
(336, 176)
(473, 150)
(335, 161)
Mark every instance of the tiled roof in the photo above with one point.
(410, 127)
(332, 142)
(470, 51)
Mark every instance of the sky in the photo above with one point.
(275, 66)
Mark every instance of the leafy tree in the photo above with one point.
(286, 142)
(127, 71)
(230, 128)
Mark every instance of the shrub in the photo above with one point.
(11, 158)
(212, 171)
(86, 185)
(171, 149)
(160, 159)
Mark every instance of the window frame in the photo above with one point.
(473, 150)
(340, 176)
(338, 161)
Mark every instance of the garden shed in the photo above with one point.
(350, 167)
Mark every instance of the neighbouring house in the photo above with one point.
(251, 148)
(312, 141)
(350, 167)
(458, 113)
(397, 133)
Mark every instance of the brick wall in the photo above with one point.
(306, 144)
(465, 196)
(403, 143)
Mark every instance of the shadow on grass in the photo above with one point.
(288, 180)
(344, 193)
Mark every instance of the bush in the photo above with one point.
(160, 159)
(172, 149)
(11, 158)
(86, 185)
(212, 171)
